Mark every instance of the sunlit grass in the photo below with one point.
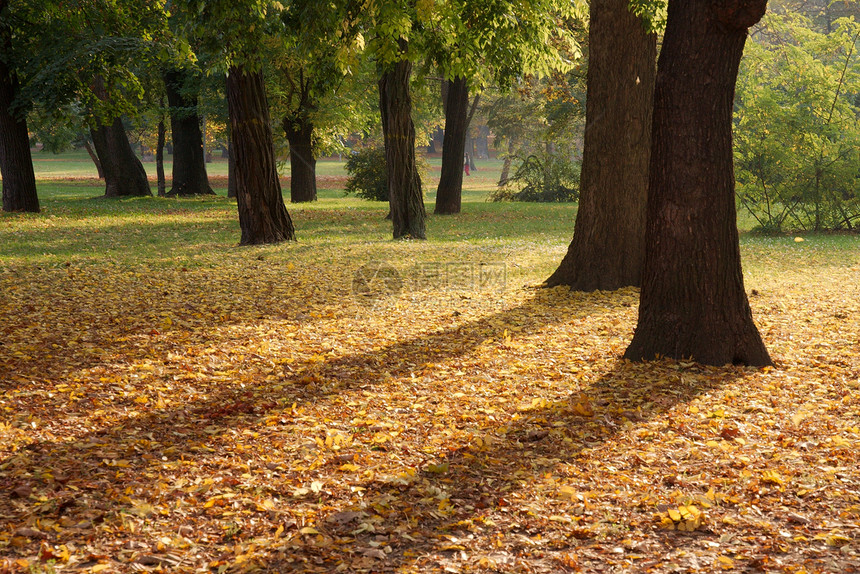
(78, 226)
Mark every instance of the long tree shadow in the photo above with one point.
(104, 479)
(434, 516)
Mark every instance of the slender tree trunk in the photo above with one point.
(189, 165)
(506, 165)
(303, 164)
(159, 157)
(124, 174)
(93, 156)
(404, 184)
(693, 303)
(450, 191)
(608, 247)
(263, 216)
(16, 162)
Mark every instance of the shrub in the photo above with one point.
(543, 178)
(367, 175)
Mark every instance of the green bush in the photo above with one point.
(543, 178)
(367, 175)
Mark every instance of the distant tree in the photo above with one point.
(90, 57)
(124, 173)
(693, 303)
(16, 163)
(181, 85)
(476, 43)
(608, 247)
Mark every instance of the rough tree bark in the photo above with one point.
(404, 184)
(608, 247)
(189, 162)
(450, 191)
(303, 165)
(16, 162)
(693, 303)
(263, 216)
(124, 174)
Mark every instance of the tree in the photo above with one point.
(608, 247)
(479, 42)
(406, 199)
(189, 163)
(797, 125)
(263, 216)
(693, 303)
(124, 173)
(16, 163)
(458, 116)
(237, 30)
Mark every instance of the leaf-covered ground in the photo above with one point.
(221, 409)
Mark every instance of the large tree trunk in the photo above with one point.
(16, 163)
(189, 165)
(263, 216)
(303, 164)
(404, 184)
(693, 303)
(124, 174)
(450, 191)
(608, 247)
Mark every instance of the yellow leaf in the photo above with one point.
(674, 515)
(725, 562)
(349, 467)
(837, 540)
(309, 530)
(773, 477)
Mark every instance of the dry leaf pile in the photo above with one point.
(256, 416)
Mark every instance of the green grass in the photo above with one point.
(77, 226)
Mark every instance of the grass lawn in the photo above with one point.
(170, 401)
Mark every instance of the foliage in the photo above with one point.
(544, 177)
(797, 126)
(367, 175)
(541, 113)
(652, 12)
(97, 53)
(203, 408)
